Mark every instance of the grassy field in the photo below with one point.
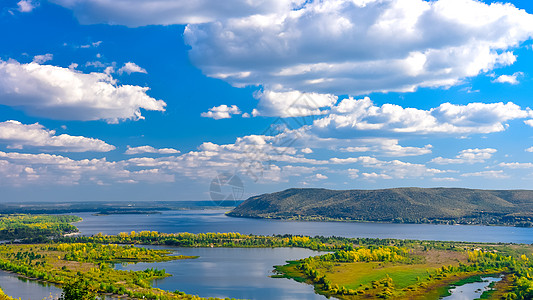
(418, 275)
(355, 275)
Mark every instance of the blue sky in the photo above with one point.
(143, 100)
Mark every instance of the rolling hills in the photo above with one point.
(404, 205)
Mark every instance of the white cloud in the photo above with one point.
(131, 67)
(91, 45)
(389, 169)
(22, 169)
(530, 149)
(448, 179)
(352, 115)
(166, 12)
(468, 156)
(511, 79)
(516, 165)
(529, 122)
(487, 174)
(320, 176)
(292, 103)
(150, 149)
(354, 47)
(400, 170)
(221, 112)
(386, 147)
(353, 173)
(307, 150)
(18, 135)
(374, 176)
(39, 59)
(26, 6)
(257, 157)
(65, 94)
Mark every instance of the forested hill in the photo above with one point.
(410, 205)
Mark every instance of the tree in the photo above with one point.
(78, 289)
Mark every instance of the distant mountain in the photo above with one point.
(410, 205)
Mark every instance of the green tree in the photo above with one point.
(78, 289)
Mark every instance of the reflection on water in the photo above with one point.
(472, 290)
(241, 273)
(25, 289)
(197, 221)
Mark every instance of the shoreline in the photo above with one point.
(340, 220)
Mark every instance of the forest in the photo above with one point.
(398, 205)
(20, 226)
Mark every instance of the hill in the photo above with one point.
(409, 205)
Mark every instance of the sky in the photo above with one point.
(166, 100)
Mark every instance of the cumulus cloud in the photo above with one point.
(221, 112)
(511, 79)
(516, 165)
(446, 179)
(388, 169)
(398, 169)
(493, 174)
(529, 122)
(362, 115)
(150, 149)
(166, 12)
(66, 94)
(26, 6)
(468, 156)
(359, 47)
(39, 59)
(131, 67)
(374, 176)
(320, 176)
(292, 104)
(386, 147)
(23, 168)
(256, 156)
(307, 150)
(17, 135)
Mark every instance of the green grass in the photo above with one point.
(353, 275)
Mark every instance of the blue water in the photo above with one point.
(471, 291)
(241, 273)
(197, 221)
(24, 289)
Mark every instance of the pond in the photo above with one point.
(472, 290)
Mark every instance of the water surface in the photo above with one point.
(18, 287)
(241, 273)
(472, 290)
(198, 221)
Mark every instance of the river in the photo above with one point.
(198, 221)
